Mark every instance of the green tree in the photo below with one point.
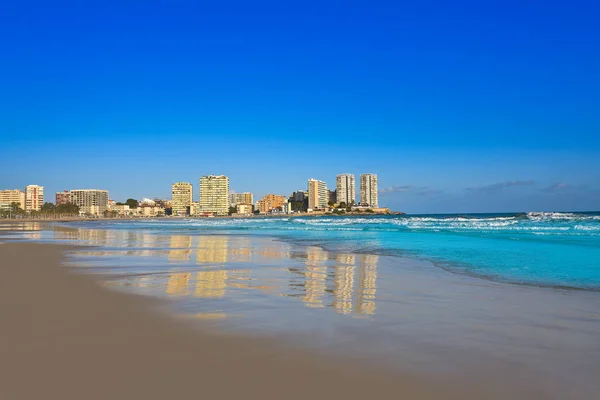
(48, 208)
(331, 204)
(343, 204)
(110, 214)
(297, 206)
(369, 210)
(68, 208)
(132, 203)
(232, 210)
(15, 206)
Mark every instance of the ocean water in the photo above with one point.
(542, 249)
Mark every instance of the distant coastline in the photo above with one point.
(259, 216)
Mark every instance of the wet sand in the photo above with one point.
(65, 337)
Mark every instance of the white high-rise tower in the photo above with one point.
(345, 189)
(368, 190)
(317, 194)
(214, 194)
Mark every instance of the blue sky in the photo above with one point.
(458, 106)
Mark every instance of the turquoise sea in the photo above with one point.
(542, 249)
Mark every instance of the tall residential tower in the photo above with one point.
(214, 194)
(34, 197)
(318, 196)
(368, 190)
(345, 189)
(181, 198)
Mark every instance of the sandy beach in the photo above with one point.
(64, 337)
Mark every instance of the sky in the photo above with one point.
(462, 106)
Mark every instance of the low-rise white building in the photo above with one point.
(146, 210)
(244, 209)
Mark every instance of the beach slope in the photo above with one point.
(63, 336)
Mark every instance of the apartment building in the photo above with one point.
(345, 189)
(298, 195)
(332, 196)
(10, 196)
(150, 210)
(181, 198)
(271, 202)
(34, 197)
(214, 194)
(240, 198)
(368, 190)
(318, 196)
(90, 201)
(63, 197)
(244, 209)
(121, 209)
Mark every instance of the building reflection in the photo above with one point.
(239, 278)
(21, 226)
(349, 293)
(212, 249)
(97, 237)
(315, 276)
(178, 284)
(214, 284)
(344, 283)
(273, 252)
(180, 248)
(367, 284)
(211, 284)
(242, 252)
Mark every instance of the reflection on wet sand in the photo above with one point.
(320, 279)
(208, 284)
(273, 252)
(180, 248)
(212, 249)
(367, 283)
(211, 284)
(239, 278)
(21, 226)
(316, 276)
(92, 237)
(178, 284)
(242, 252)
(344, 283)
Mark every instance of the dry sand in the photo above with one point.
(63, 336)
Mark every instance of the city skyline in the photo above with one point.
(217, 197)
(502, 120)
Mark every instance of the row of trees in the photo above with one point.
(68, 208)
(48, 208)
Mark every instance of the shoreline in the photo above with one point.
(444, 265)
(167, 218)
(64, 331)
